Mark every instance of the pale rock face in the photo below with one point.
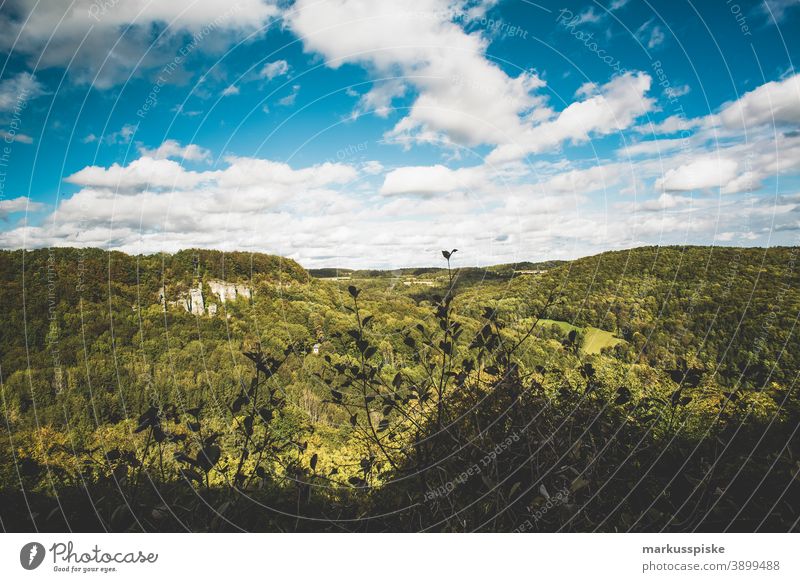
(195, 301)
(228, 291)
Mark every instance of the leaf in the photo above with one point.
(192, 475)
(313, 462)
(208, 457)
(353, 420)
(239, 402)
(158, 434)
(265, 414)
(354, 291)
(623, 396)
(383, 425)
(142, 426)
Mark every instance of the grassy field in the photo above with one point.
(594, 339)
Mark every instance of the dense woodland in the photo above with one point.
(644, 390)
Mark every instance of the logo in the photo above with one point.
(31, 555)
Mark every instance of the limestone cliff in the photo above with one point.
(195, 303)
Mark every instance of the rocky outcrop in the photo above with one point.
(195, 303)
(229, 291)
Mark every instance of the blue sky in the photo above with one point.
(374, 133)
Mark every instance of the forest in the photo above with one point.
(651, 389)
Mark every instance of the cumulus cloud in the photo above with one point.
(20, 204)
(173, 149)
(274, 69)
(671, 125)
(431, 180)
(614, 108)
(378, 100)
(143, 34)
(713, 172)
(159, 201)
(775, 102)
(462, 97)
(16, 91)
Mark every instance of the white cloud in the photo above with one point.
(106, 42)
(711, 172)
(172, 149)
(658, 147)
(775, 102)
(230, 90)
(275, 69)
(378, 100)
(123, 136)
(15, 92)
(670, 125)
(372, 167)
(10, 137)
(614, 108)
(20, 204)
(678, 91)
(579, 181)
(461, 96)
(656, 37)
(291, 97)
(149, 173)
(431, 180)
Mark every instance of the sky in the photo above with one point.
(374, 133)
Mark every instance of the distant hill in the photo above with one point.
(503, 271)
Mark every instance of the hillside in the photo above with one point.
(653, 345)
